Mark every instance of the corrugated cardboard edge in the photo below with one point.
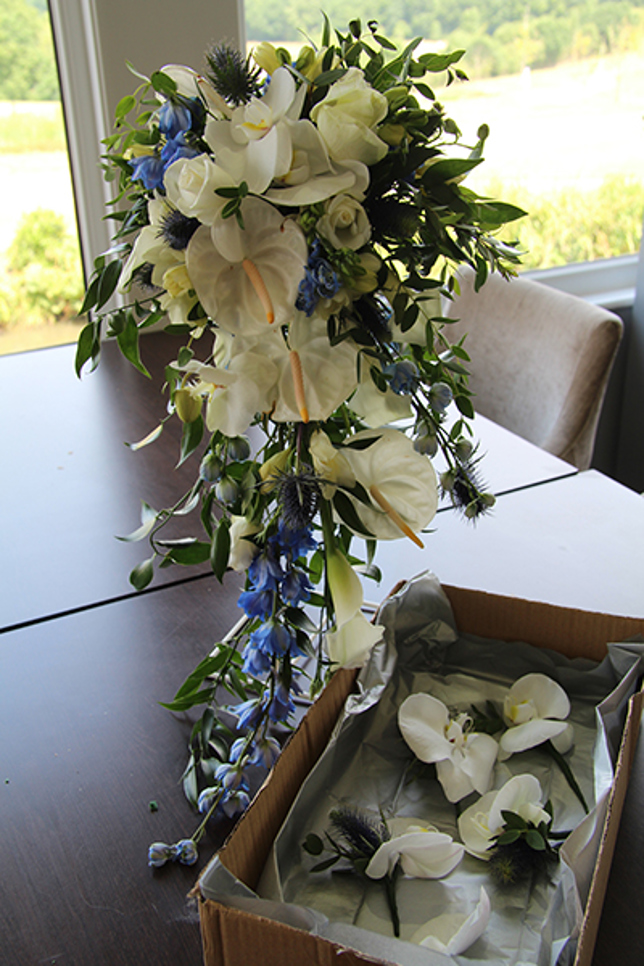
(597, 894)
(233, 938)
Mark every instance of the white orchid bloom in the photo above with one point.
(330, 464)
(534, 709)
(234, 394)
(348, 116)
(400, 481)
(423, 852)
(255, 144)
(453, 933)
(248, 278)
(479, 823)
(377, 408)
(350, 644)
(464, 758)
(242, 551)
(191, 84)
(312, 176)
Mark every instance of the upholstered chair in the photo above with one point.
(540, 360)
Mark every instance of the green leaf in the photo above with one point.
(189, 554)
(439, 62)
(449, 168)
(329, 77)
(209, 665)
(346, 511)
(535, 840)
(321, 866)
(91, 296)
(464, 405)
(220, 550)
(190, 783)
(190, 700)
(298, 618)
(142, 574)
(150, 438)
(163, 84)
(108, 280)
(88, 347)
(507, 838)
(128, 342)
(190, 438)
(313, 844)
(512, 820)
(124, 106)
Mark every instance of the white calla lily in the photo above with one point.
(453, 933)
(423, 852)
(464, 758)
(534, 709)
(400, 481)
(479, 823)
(350, 645)
(344, 585)
(248, 278)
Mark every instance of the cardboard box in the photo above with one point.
(236, 938)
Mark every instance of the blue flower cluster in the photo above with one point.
(184, 851)
(320, 282)
(175, 120)
(403, 377)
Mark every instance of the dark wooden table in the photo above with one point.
(84, 661)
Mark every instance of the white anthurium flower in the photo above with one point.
(400, 481)
(348, 116)
(247, 279)
(374, 407)
(242, 551)
(191, 185)
(330, 464)
(236, 393)
(423, 852)
(479, 823)
(464, 758)
(453, 933)
(344, 223)
(150, 248)
(534, 709)
(316, 377)
(350, 645)
(312, 176)
(255, 144)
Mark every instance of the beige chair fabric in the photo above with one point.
(540, 360)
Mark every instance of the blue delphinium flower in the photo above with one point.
(150, 170)
(207, 798)
(176, 148)
(159, 853)
(230, 776)
(403, 377)
(256, 662)
(297, 542)
(236, 803)
(173, 119)
(186, 852)
(281, 706)
(296, 588)
(249, 712)
(265, 571)
(320, 282)
(256, 603)
(273, 638)
(265, 752)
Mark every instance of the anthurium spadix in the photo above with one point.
(247, 278)
(400, 482)
(453, 933)
(534, 710)
(464, 758)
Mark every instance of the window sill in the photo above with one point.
(609, 282)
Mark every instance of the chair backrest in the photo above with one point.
(540, 360)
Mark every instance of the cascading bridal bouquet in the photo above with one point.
(295, 225)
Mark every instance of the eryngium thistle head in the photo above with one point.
(364, 835)
(231, 75)
(177, 229)
(143, 276)
(466, 490)
(517, 862)
(298, 494)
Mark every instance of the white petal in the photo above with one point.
(548, 697)
(423, 853)
(474, 826)
(422, 720)
(452, 934)
(351, 644)
(479, 759)
(520, 794)
(564, 742)
(530, 734)
(344, 585)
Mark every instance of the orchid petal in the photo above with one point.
(422, 720)
(479, 823)
(452, 934)
(530, 734)
(549, 698)
(423, 853)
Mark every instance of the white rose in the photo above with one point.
(347, 118)
(345, 223)
(191, 183)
